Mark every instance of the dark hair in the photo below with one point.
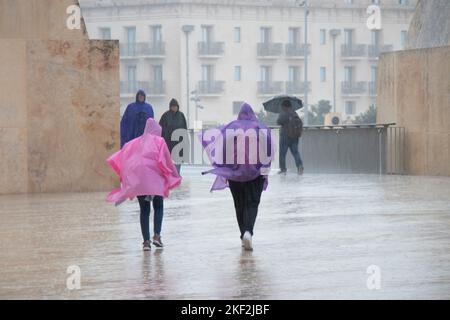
(174, 103)
(286, 104)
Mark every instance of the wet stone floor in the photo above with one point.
(316, 237)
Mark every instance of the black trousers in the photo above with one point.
(247, 196)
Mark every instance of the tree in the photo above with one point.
(316, 116)
(368, 117)
(268, 118)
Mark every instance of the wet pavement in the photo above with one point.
(315, 238)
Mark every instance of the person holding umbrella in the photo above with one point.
(291, 129)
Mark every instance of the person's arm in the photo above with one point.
(124, 134)
(151, 112)
(184, 122)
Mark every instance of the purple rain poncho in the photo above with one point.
(239, 170)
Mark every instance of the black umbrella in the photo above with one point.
(274, 105)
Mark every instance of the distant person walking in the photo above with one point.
(170, 121)
(132, 126)
(290, 133)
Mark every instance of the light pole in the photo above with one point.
(334, 33)
(196, 99)
(305, 5)
(187, 29)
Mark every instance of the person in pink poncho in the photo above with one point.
(145, 168)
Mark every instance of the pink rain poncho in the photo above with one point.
(144, 166)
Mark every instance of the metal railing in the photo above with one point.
(297, 87)
(270, 87)
(396, 150)
(297, 49)
(139, 49)
(211, 87)
(129, 87)
(153, 88)
(354, 88)
(353, 50)
(376, 50)
(269, 49)
(350, 149)
(211, 48)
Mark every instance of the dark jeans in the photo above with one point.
(286, 144)
(158, 208)
(246, 196)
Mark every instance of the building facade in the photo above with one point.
(213, 55)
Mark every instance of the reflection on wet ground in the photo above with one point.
(315, 238)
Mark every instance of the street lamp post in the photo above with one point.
(187, 29)
(305, 5)
(196, 99)
(334, 34)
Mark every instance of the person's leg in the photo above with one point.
(293, 146)
(236, 192)
(158, 209)
(283, 152)
(178, 166)
(253, 194)
(145, 218)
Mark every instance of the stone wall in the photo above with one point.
(59, 101)
(414, 92)
(430, 26)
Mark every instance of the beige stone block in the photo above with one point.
(13, 89)
(415, 153)
(438, 87)
(73, 114)
(411, 96)
(13, 160)
(387, 107)
(37, 19)
(438, 161)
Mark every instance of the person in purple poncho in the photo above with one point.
(241, 153)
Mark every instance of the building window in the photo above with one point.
(348, 36)
(323, 36)
(207, 73)
(265, 73)
(294, 35)
(350, 108)
(348, 1)
(156, 33)
(132, 79)
(105, 33)
(158, 73)
(207, 34)
(403, 37)
(376, 2)
(294, 74)
(403, 2)
(237, 106)
(348, 72)
(237, 35)
(237, 73)
(323, 74)
(266, 34)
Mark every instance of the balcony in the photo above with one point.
(373, 88)
(128, 88)
(211, 88)
(296, 50)
(143, 49)
(153, 88)
(270, 50)
(376, 50)
(297, 87)
(270, 88)
(353, 51)
(211, 49)
(354, 88)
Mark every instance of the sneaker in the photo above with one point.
(146, 246)
(282, 172)
(300, 171)
(157, 242)
(247, 239)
